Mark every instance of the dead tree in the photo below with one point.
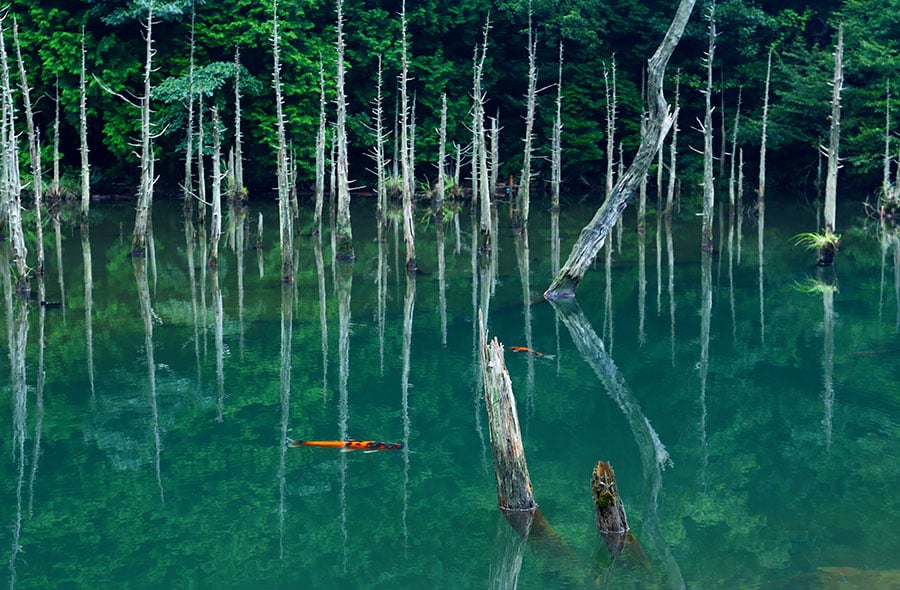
(343, 231)
(610, 124)
(761, 189)
(145, 190)
(833, 152)
(34, 149)
(556, 149)
(523, 195)
(216, 230)
(660, 120)
(82, 132)
(284, 206)
(406, 173)
(320, 152)
(709, 188)
(10, 181)
(188, 186)
(442, 159)
(238, 168)
(731, 177)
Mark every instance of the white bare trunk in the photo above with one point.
(344, 233)
(320, 153)
(761, 190)
(216, 228)
(523, 194)
(709, 189)
(409, 233)
(145, 191)
(286, 229)
(835, 136)
(82, 132)
(556, 150)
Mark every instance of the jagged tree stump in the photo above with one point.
(514, 492)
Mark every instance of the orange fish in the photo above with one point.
(529, 351)
(369, 446)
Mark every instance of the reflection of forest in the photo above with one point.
(171, 378)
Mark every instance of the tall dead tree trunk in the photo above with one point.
(523, 196)
(10, 181)
(238, 168)
(732, 179)
(834, 139)
(188, 186)
(409, 231)
(709, 188)
(285, 218)
(610, 124)
(320, 152)
(82, 132)
(216, 230)
(556, 145)
(34, 149)
(145, 191)
(378, 152)
(594, 234)
(673, 154)
(761, 189)
(442, 160)
(343, 231)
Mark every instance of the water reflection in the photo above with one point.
(343, 287)
(88, 302)
(654, 456)
(409, 307)
(149, 318)
(284, 395)
(17, 339)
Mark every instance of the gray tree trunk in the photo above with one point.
(286, 233)
(594, 234)
(835, 135)
(145, 190)
(709, 188)
(343, 231)
(82, 132)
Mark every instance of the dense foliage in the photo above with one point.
(443, 36)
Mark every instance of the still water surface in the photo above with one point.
(753, 425)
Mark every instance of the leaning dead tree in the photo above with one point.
(660, 120)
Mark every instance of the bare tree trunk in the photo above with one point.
(238, 168)
(188, 185)
(514, 492)
(145, 191)
(54, 183)
(556, 149)
(10, 181)
(761, 190)
(378, 153)
(409, 231)
(82, 130)
(216, 230)
(34, 148)
(320, 151)
(343, 231)
(201, 166)
(610, 124)
(887, 190)
(835, 136)
(480, 190)
(673, 154)
(442, 159)
(523, 195)
(494, 164)
(709, 188)
(734, 137)
(660, 121)
(286, 228)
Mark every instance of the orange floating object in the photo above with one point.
(348, 445)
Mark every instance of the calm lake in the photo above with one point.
(750, 412)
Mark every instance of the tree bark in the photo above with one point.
(514, 492)
(145, 190)
(660, 121)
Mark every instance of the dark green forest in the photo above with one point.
(443, 36)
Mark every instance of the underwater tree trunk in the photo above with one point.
(594, 234)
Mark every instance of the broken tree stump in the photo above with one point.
(514, 492)
(612, 522)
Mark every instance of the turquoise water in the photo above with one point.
(753, 425)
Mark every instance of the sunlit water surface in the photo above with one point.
(751, 418)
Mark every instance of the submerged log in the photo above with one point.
(514, 492)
